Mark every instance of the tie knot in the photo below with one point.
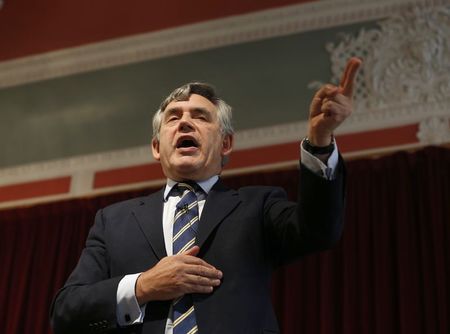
(191, 186)
(181, 188)
(188, 195)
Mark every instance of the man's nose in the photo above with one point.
(185, 124)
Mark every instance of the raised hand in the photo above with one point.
(176, 275)
(331, 105)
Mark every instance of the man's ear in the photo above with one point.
(227, 144)
(155, 149)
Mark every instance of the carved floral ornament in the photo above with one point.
(406, 67)
(434, 130)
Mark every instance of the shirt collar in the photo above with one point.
(206, 185)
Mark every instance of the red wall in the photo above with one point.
(34, 26)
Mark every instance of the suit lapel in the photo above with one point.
(219, 204)
(149, 217)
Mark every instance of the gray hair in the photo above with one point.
(224, 111)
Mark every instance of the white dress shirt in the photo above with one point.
(128, 310)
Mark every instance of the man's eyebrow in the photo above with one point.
(200, 110)
(196, 110)
(172, 110)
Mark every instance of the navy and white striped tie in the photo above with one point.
(184, 232)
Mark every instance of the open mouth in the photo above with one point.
(187, 143)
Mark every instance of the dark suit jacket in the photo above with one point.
(244, 233)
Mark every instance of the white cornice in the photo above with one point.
(85, 164)
(394, 115)
(156, 183)
(77, 164)
(201, 36)
(82, 167)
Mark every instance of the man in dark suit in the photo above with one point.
(137, 274)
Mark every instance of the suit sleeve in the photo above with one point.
(312, 224)
(87, 302)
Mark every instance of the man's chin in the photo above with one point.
(187, 162)
(187, 167)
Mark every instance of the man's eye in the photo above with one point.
(172, 118)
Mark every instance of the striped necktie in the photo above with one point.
(184, 232)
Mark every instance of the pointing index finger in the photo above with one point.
(348, 78)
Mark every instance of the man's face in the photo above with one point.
(191, 145)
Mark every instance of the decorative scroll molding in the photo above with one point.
(406, 69)
(434, 130)
(406, 59)
(196, 37)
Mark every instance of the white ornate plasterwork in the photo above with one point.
(407, 59)
(211, 34)
(406, 67)
(434, 130)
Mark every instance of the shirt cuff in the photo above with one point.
(317, 166)
(128, 311)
